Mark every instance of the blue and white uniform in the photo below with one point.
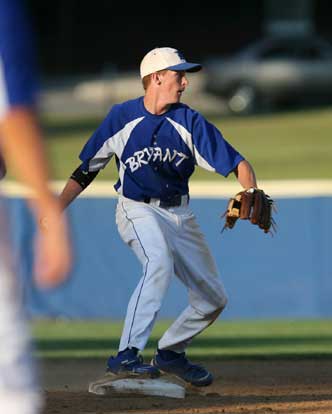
(155, 156)
(19, 393)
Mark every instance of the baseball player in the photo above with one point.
(21, 143)
(157, 143)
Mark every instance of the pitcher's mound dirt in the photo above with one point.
(278, 386)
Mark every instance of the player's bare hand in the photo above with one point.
(52, 247)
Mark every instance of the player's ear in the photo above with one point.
(156, 78)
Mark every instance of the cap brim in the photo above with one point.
(187, 67)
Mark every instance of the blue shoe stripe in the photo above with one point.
(133, 365)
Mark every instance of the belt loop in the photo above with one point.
(147, 200)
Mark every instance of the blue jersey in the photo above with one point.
(157, 154)
(17, 58)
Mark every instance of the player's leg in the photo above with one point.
(171, 357)
(19, 388)
(196, 268)
(141, 229)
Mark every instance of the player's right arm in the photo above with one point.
(71, 190)
(94, 156)
(78, 182)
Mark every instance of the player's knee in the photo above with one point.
(220, 307)
(223, 303)
(213, 308)
(213, 313)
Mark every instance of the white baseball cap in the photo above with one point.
(162, 58)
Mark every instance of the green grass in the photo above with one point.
(223, 340)
(280, 146)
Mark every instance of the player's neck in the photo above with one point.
(155, 105)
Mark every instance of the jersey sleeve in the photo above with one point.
(99, 150)
(212, 151)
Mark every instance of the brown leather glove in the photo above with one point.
(253, 205)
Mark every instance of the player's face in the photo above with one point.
(173, 85)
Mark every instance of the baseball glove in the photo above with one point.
(253, 205)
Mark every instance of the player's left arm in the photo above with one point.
(245, 174)
(212, 151)
(219, 155)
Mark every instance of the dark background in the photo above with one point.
(78, 37)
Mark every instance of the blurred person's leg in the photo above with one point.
(19, 393)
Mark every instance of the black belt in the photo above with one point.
(174, 201)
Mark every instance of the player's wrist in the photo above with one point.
(251, 189)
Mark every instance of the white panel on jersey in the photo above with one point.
(3, 92)
(187, 138)
(113, 145)
(122, 169)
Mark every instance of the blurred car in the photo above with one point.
(273, 70)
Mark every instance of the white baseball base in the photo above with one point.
(161, 387)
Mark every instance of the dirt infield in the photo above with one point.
(278, 386)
